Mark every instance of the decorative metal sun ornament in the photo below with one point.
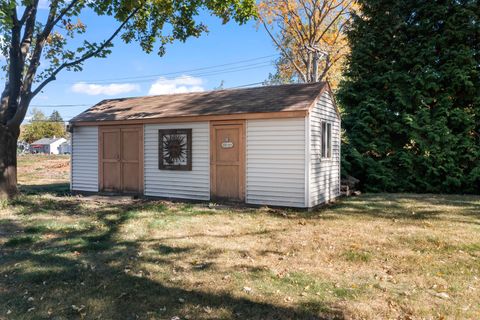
(175, 149)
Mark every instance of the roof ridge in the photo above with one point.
(217, 90)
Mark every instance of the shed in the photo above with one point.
(270, 145)
(47, 145)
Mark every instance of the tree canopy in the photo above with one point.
(151, 23)
(411, 96)
(310, 37)
(40, 126)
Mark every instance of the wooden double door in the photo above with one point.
(227, 160)
(121, 159)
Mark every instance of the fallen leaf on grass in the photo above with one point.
(207, 310)
(247, 289)
(78, 309)
(441, 295)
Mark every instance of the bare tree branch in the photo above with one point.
(299, 70)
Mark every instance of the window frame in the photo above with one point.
(326, 151)
(164, 132)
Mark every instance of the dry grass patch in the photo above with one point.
(40, 169)
(192, 261)
(371, 257)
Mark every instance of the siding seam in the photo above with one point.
(283, 182)
(84, 159)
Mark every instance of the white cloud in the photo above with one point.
(182, 84)
(107, 89)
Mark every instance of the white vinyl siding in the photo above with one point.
(324, 173)
(84, 174)
(193, 184)
(276, 162)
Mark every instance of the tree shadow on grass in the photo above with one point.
(57, 189)
(91, 273)
(402, 207)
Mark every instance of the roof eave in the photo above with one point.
(328, 88)
(198, 118)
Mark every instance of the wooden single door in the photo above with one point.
(109, 160)
(227, 160)
(121, 159)
(130, 159)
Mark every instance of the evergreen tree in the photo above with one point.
(55, 116)
(412, 96)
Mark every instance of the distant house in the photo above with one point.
(65, 148)
(272, 145)
(47, 145)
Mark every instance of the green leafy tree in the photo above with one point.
(412, 96)
(26, 40)
(40, 127)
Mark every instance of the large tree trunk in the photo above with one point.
(8, 162)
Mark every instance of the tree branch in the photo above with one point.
(329, 64)
(85, 56)
(27, 94)
(334, 20)
(295, 24)
(299, 70)
(52, 20)
(29, 18)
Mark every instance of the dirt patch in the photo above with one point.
(37, 169)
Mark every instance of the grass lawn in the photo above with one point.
(395, 256)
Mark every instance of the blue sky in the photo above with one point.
(174, 72)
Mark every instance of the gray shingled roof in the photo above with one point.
(292, 97)
(46, 141)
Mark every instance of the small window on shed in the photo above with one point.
(326, 140)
